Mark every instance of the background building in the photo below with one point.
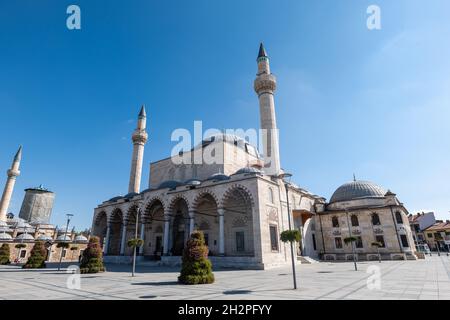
(438, 236)
(37, 205)
(418, 223)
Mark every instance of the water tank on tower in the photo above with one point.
(37, 205)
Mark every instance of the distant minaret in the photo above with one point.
(139, 138)
(265, 85)
(13, 173)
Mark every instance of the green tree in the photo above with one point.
(135, 243)
(196, 268)
(37, 256)
(5, 254)
(92, 260)
(291, 236)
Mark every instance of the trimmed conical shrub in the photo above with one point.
(92, 260)
(5, 254)
(196, 268)
(37, 256)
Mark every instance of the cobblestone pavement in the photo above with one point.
(422, 279)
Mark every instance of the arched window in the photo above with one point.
(398, 217)
(354, 219)
(375, 219)
(335, 222)
(270, 195)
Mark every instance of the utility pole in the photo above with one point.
(65, 235)
(138, 213)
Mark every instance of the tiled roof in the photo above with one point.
(439, 226)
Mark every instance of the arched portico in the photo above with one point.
(206, 217)
(100, 227)
(130, 228)
(238, 222)
(115, 233)
(154, 224)
(179, 226)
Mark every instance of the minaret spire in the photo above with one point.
(265, 85)
(139, 139)
(262, 51)
(12, 173)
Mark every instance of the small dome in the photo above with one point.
(131, 195)
(5, 237)
(63, 237)
(22, 224)
(81, 239)
(248, 170)
(170, 184)
(218, 177)
(115, 199)
(25, 237)
(43, 237)
(357, 190)
(193, 182)
(147, 190)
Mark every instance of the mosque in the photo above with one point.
(243, 202)
(33, 224)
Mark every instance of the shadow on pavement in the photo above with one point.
(162, 283)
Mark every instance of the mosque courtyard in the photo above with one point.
(427, 279)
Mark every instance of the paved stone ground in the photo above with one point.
(422, 279)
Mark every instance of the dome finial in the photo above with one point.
(354, 177)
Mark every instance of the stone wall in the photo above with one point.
(54, 256)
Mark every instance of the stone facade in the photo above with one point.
(242, 203)
(17, 231)
(378, 218)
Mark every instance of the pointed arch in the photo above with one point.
(235, 189)
(202, 195)
(237, 203)
(115, 224)
(175, 199)
(100, 225)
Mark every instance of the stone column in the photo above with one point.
(122, 242)
(191, 221)
(166, 235)
(106, 244)
(141, 248)
(221, 213)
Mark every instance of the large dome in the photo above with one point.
(356, 190)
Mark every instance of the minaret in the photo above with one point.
(139, 138)
(13, 173)
(265, 85)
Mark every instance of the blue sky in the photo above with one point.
(349, 100)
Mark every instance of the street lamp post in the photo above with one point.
(286, 186)
(65, 235)
(138, 213)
